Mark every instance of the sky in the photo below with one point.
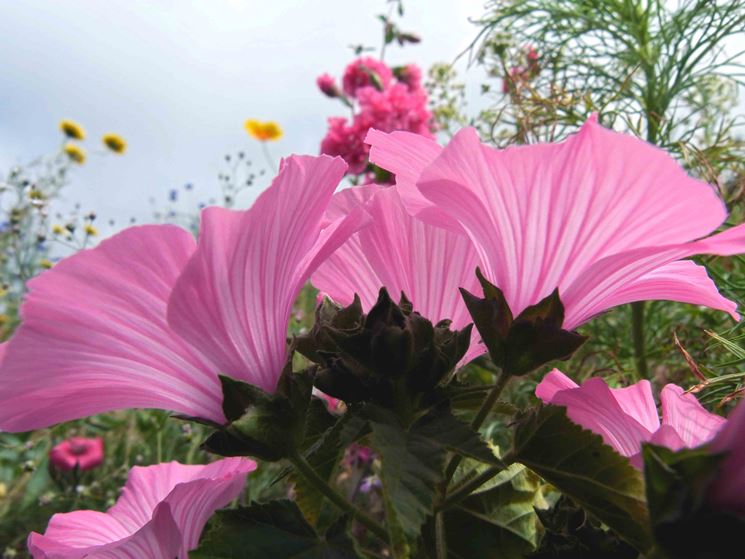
(178, 79)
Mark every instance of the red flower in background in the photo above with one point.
(380, 97)
(80, 452)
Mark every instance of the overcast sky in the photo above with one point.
(177, 79)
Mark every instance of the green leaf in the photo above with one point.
(275, 529)
(412, 466)
(323, 449)
(581, 466)
(677, 483)
(498, 521)
(442, 426)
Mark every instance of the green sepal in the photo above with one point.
(580, 465)
(266, 426)
(391, 356)
(522, 344)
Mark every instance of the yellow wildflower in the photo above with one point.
(72, 130)
(45, 263)
(90, 230)
(3, 490)
(58, 230)
(76, 153)
(115, 143)
(268, 131)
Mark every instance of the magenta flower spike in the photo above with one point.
(628, 417)
(149, 318)
(161, 513)
(403, 254)
(77, 452)
(603, 216)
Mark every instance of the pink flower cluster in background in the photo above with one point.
(380, 97)
(521, 73)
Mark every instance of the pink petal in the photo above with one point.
(166, 503)
(405, 255)
(596, 289)
(603, 411)
(94, 337)
(348, 271)
(541, 215)
(683, 281)
(406, 155)
(690, 420)
(86, 533)
(234, 298)
(552, 383)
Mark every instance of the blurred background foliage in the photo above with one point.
(665, 71)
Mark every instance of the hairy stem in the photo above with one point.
(469, 487)
(478, 420)
(441, 547)
(302, 466)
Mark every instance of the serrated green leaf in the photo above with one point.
(498, 521)
(322, 449)
(412, 466)
(442, 426)
(275, 529)
(581, 466)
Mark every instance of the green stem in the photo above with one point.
(481, 415)
(637, 332)
(302, 466)
(467, 488)
(441, 547)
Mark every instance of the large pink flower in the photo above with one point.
(403, 254)
(148, 318)
(603, 216)
(160, 514)
(627, 417)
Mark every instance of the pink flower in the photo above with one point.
(149, 318)
(604, 217)
(627, 417)
(327, 85)
(411, 76)
(403, 254)
(364, 72)
(346, 141)
(160, 514)
(77, 452)
(396, 108)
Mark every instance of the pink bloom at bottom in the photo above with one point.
(628, 417)
(80, 452)
(160, 514)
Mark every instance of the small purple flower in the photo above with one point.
(370, 483)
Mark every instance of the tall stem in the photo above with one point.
(486, 407)
(302, 466)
